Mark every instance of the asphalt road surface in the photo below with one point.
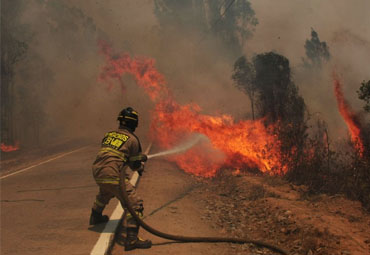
(45, 209)
(172, 205)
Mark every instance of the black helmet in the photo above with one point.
(129, 118)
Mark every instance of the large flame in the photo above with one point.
(351, 119)
(235, 144)
(8, 148)
(142, 69)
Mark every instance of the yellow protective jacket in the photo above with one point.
(116, 149)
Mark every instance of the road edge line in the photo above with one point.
(41, 163)
(105, 239)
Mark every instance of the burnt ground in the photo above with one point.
(249, 206)
(274, 211)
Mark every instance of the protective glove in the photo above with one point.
(140, 170)
(140, 157)
(137, 163)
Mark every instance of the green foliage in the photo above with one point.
(244, 77)
(267, 82)
(364, 94)
(180, 15)
(231, 21)
(244, 74)
(317, 52)
(237, 24)
(312, 160)
(278, 98)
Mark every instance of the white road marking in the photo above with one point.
(41, 163)
(103, 242)
(134, 178)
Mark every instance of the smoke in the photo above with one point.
(284, 26)
(63, 62)
(57, 92)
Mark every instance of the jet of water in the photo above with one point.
(181, 147)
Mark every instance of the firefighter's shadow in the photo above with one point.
(109, 227)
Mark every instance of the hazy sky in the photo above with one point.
(69, 50)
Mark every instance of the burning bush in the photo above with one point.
(333, 170)
(276, 142)
(344, 168)
(244, 144)
(267, 82)
(309, 160)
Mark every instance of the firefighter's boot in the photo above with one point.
(97, 217)
(134, 242)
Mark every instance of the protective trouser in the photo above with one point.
(108, 191)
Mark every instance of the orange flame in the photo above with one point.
(242, 144)
(351, 119)
(236, 172)
(8, 148)
(142, 69)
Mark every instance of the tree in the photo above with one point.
(13, 51)
(280, 104)
(267, 82)
(231, 21)
(26, 75)
(364, 94)
(244, 76)
(317, 52)
(272, 83)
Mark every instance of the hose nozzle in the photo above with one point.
(140, 157)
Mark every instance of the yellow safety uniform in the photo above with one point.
(117, 147)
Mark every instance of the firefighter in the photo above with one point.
(120, 148)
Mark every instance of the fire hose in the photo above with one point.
(188, 238)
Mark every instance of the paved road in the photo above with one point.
(45, 210)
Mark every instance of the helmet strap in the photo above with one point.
(122, 125)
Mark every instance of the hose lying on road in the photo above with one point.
(187, 238)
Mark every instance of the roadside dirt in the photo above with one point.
(274, 211)
(244, 205)
(171, 206)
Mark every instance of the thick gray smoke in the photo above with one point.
(58, 78)
(344, 26)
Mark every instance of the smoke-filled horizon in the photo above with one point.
(56, 87)
(342, 25)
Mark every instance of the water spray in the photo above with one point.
(182, 147)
